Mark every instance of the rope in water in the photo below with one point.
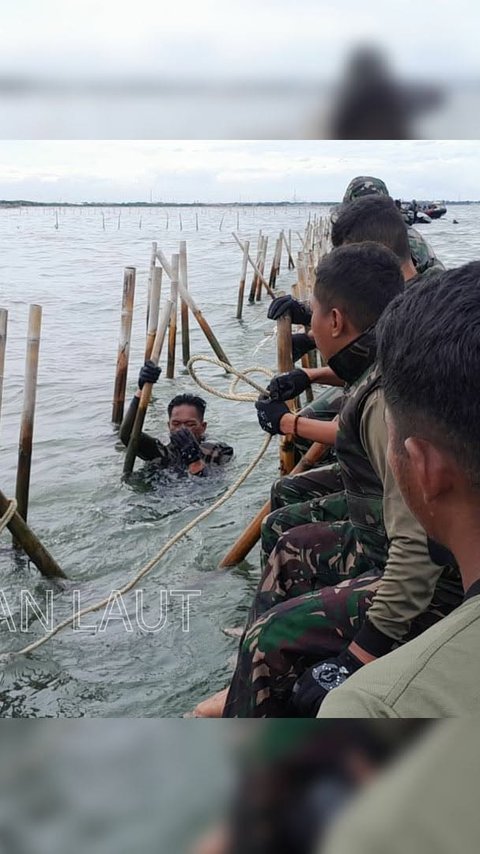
(230, 395)
(8, 515)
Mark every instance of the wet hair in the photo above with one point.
(374, 218)
(188, 400)
(360, 279)
(429, 354)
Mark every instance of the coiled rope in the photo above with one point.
(8, 515)
(230, 395)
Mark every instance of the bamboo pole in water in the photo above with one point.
(285, 363)
(124, 344)
(24, 536)
(28, 415)
(261, 268)
(153, 258)
(275, 263)
(3, 345)
(204, 325)
(250, 536)
(243, 278)
(172, 329)
(183, 275)
(257, 271)
(153, 309)
(132, 449)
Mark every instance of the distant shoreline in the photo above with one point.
(22, 203)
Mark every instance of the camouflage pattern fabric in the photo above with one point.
(364, 185)
(422, 253)
(316, 496)
(325, 407)
(322, 585)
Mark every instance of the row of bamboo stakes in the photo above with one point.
(315, 243)
(23, 536)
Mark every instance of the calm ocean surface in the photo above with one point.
(100, 529)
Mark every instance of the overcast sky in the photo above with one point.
(229, 170)
(234, 37)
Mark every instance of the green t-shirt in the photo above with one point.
(436, 675)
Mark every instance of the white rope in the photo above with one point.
(96, 606)
(8, 515)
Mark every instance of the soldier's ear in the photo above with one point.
(337, 322)
(432, 468)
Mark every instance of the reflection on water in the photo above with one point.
(101, 528)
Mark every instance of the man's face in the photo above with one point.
(187, 416)
(322, 329)
(407, 477)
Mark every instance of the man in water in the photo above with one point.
(188, 448)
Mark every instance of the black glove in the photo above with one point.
(298, 311)
(186, 446)
(311, 689)
(148, 374)
(301, 343)
(289, 385)
(269, 414)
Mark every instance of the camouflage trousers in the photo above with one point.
(313, 597)
(314, 496)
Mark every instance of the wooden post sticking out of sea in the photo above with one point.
(132, 449)
(124, 344)
(291, 264)
(28, 414)
(153, 258)
(257, 272)
(201, 320)
(243, 278)
(275, 263)
(172, 329)
(153, 309)
(261, 268)
(183, 276)
(253, 286)
(3, 346)
(285, 363)
(24, 537)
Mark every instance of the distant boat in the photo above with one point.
(433, 209)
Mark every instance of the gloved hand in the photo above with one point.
(289, 385)
(148, 374)
(269, 414)
(186, 446)
(298, 311)
(301, 343)
(311, 689)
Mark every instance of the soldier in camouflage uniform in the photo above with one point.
(299, 499)
(366, 555)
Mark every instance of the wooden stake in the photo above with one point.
(24, 536)
(291, 264)
(183, 275)
(285, 363)
(246, 541)
(243, 278)
(275, 263)
(132, 449)
(172, 329)
(124, 344)
(153, 258)
(261, 268)
(153, 309)
(28, 414)
(256, 271)
(3, 345)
